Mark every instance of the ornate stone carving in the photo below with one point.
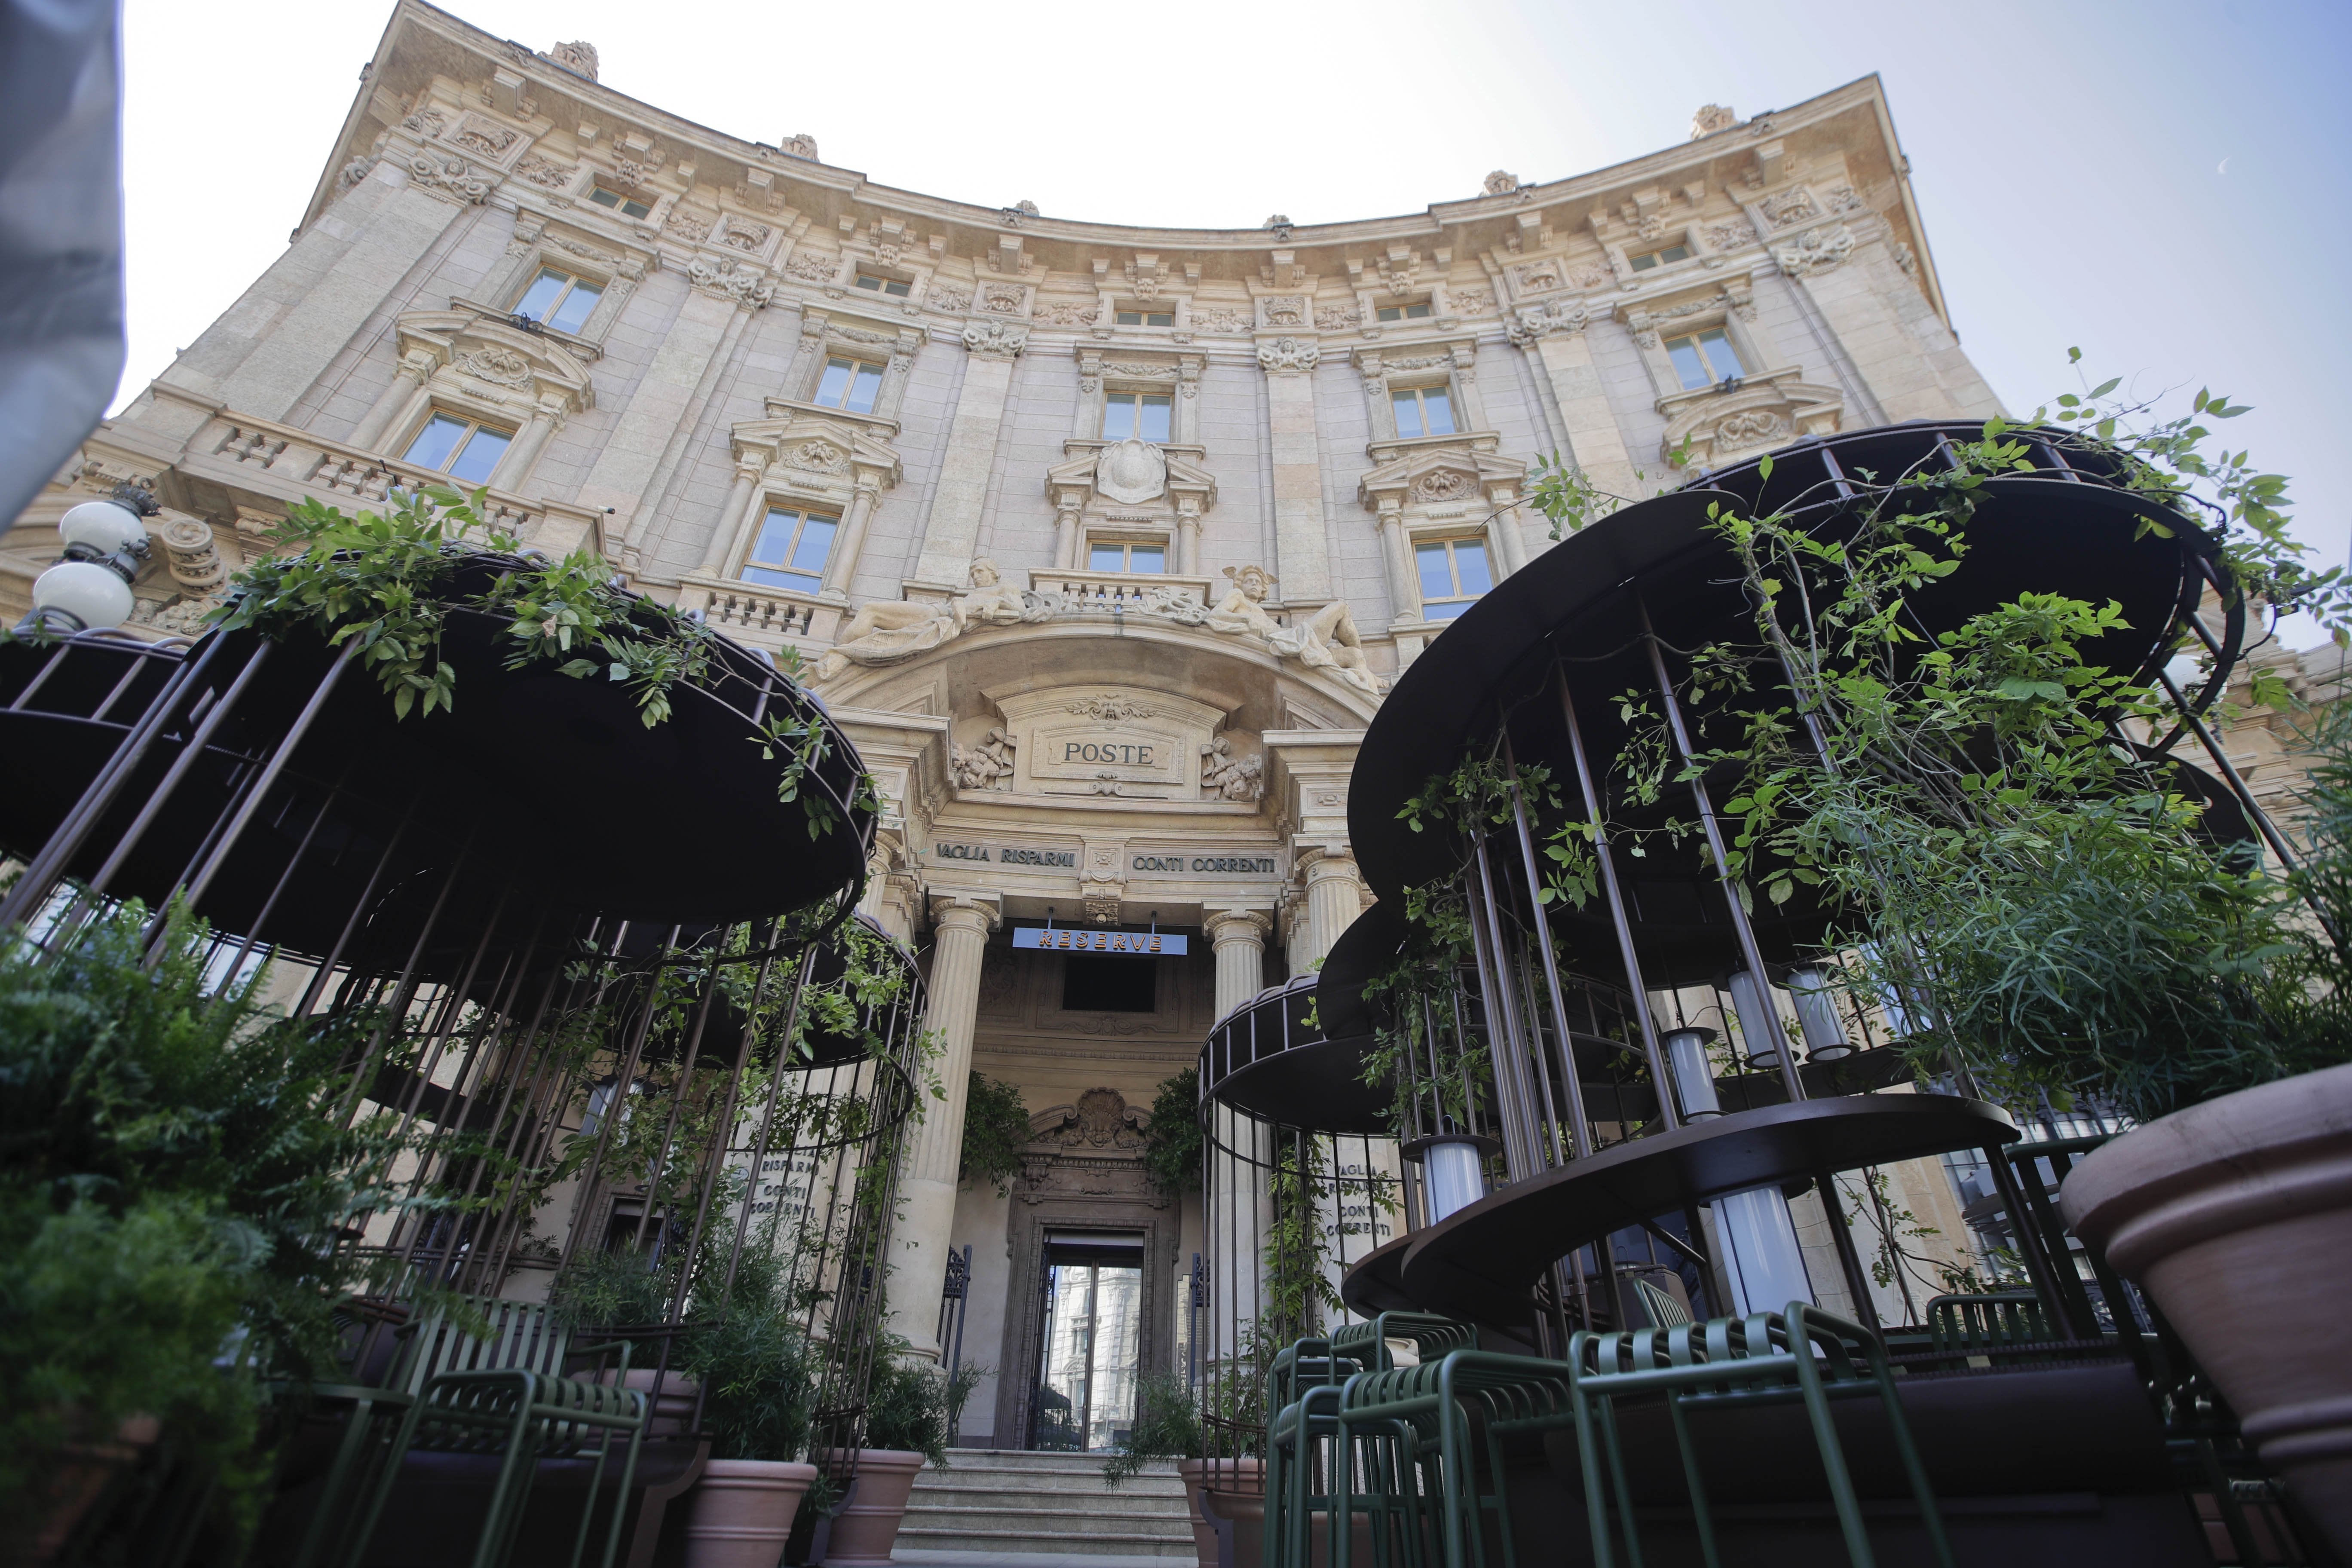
(1401, 277)
(744, 285)
(193, 556)
(1288, 356)
(1501, 183)
(1069, 314)
(1732, 235)
(1539, 274)
(1211, 318)
(817, 458)
(1816, 250)
(449, 178)
(995, 340)
(1470, 301)
(860, 335)
(1906, 259)
(1757, 427)
(1534, 323)
(799, 147)
(546, 173)
(1843, 199)
(490, 141)
(1226, 775)
(1101, 1119)
(1112, 709)
(1444, 484)
(1332, 319)
(577, 55)
(686, 225)
(988, 765)
(1712, 117)
(1790, 206)
(353, 173)
(425, 122)
(1326, 640)
(891, 631)
(1286, 311)
(1002, 299)
(499, 367)
(744, 235)
(1025, 208)
(952, 300)
(1130, 472)
(812, 266)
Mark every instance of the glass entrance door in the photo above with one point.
(1093, 1342)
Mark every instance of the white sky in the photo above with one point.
(2158, 181)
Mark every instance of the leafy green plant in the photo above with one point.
(744, 1346)
(1167, 1426)
(1171, 1141)
(914, 1409)
(995, 1131)
(172, 1191)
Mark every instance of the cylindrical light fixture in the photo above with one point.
(1694, 1073)
(1451, 1176)
(1760, 1020)
(1817, 1014)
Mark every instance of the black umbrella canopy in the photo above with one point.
(1574, 618)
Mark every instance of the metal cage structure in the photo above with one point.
(666, 1051)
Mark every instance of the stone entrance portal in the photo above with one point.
(1094, 1248)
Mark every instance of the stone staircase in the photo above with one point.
(1012, 1503)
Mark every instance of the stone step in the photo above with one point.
(1012, 1503)
(1012, 1542)
(969, 1477)
(983, 1507)
(1037, 1519)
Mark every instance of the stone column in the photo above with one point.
(951, 532)
(927, 1190)
(1302, 549)
(1238, 937)
(1239, 1215)
(1188, 538)
(1334, 897)
(842, 570)
(1065, 532)
(546, 419)
(1404, 581)
(408, 379)
(1555, 340)
(730, 521)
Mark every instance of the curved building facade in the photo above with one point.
(1103, 542)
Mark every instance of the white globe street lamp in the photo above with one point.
(90, 587)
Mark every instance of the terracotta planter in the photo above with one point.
(864, 1532)
(739, 1514)
(1230, 1489)
(81, 1474)
(2236, 1217)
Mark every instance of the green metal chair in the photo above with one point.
(1988, 1329)
(455, 1391)
(1804, 1354)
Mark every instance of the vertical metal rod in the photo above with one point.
(2263, 822)
(276, 765)
(722, 1136)
(404, 990)
(1857, 1283)
(692, 1048)
(1580, 1132)
(161, 795)
(2039, 1266)
(620, 1101)
(1669, 1115)
(46, 867)
(1502, 1046)
(278, 890)
(359, 907)
(1750, 952)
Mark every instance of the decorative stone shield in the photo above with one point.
(1130, 472)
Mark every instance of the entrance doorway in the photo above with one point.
(1093, 1340)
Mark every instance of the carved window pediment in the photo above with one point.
(817, 451)
(489, 360)
(1761, 413)
(1438, 470)
(1100, 1122)
(1116, 477)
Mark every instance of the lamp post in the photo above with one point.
(88, 589)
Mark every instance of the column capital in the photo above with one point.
(966, 911)
(1226, 927)
(1324, 862)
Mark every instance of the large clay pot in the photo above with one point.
(865, 1532)
(739, 1514)
(1233, 1490)
(80, 1475)
(2236, 1216)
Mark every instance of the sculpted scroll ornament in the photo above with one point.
(995, 340)
(1443, 484)
(490, 141)
(1816, 250)
(817, 458)
(744, 285)
(448, 177)
(500, 367)
(1332, 319)
(684, 225)
(1753, 428)
(545, 172)
(1208, 319)
(1112, 709)
(1288, 356)
(1536, 322)
(812, 266)
(1061, 315)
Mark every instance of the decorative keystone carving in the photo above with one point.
(1816, 250)
(1288, 356)
(745, 285)
(995, 340)
(1536, 322)
(448, 178)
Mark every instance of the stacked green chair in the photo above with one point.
(500, 1391)
(1804, 1354)
(1989, 1329)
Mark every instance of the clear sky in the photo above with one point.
(2159, 183)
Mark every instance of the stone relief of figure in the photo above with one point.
(885, 631)
(981, 766)
(1229, 776)
(1328, 640)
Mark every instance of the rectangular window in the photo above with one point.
(1703, 359)
(1412, 312)
(1453, 574)
(559, 300)
(850, 384)
(1145, 317)
(1107, 555)
(897, 288)
(629, 206)
(465, 450)
(1143, 414)
(1422, 411)
(792, 550)
(1660, 258)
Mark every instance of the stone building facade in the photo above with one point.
(1104, 542)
